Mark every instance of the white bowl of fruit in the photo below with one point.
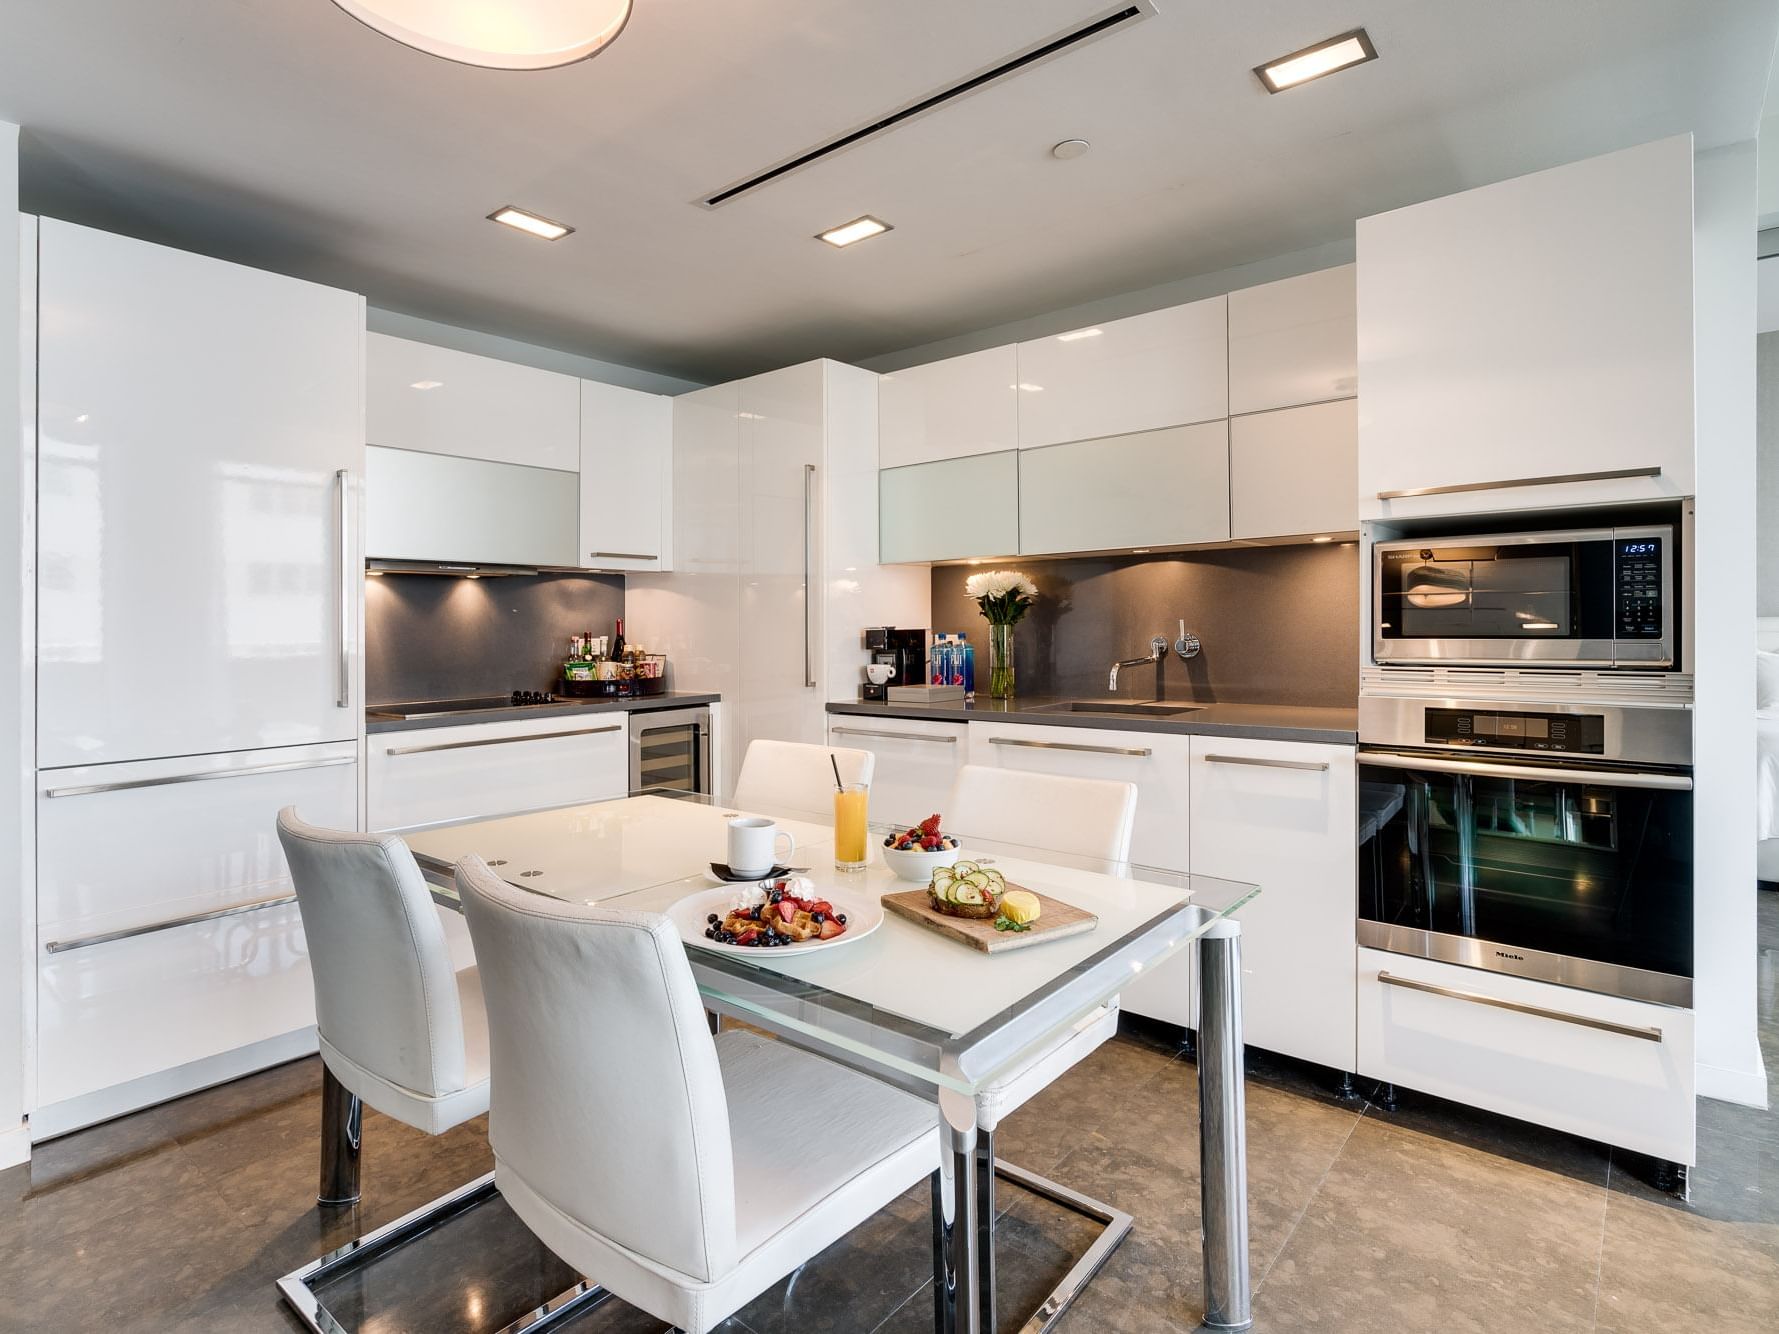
(915, 853)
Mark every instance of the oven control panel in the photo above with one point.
(1637, 598)
(1567, 733)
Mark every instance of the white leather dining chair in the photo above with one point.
(661, 1161)
(1081, 817)
(793, 777)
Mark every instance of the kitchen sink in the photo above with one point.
(1155, 709)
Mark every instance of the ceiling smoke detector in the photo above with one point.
(515, 35)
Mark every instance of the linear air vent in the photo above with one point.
(1108, 21)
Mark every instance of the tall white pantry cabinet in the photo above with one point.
(200, 444)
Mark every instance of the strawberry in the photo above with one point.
(822, 905)
(930, 843)
(831, 928)
(787, 909)
(747, 937)
(930, 825)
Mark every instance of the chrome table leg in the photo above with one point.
(956, 1280)
(985, 1229)
(1222, 1129)
(342, 1133)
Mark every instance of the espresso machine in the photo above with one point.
(903, 650)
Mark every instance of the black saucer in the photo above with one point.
(722, 872)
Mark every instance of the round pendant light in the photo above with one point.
(498, 34)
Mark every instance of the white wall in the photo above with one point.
(525, 354)
(1724, 998)
(14, 758)
(1766, 424)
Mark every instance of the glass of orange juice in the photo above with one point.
(851, 851)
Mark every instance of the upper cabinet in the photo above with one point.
(950, 510)
(1294, 341)
(442, 401)
(1150, 489)
(947, 409)
(1291, 472)
(440, 508)
(1538, 328)
(1166, 368)
(626, 464)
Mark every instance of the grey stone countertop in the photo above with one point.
(385, 717)
(1263, 722)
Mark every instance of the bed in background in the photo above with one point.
(1767, 740)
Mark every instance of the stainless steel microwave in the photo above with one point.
(1589, 597)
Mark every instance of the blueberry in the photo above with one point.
(818, 917)
(840, 918)
(713, 919)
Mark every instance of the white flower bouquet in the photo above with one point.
(1003, 595)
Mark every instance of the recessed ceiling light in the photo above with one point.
(426, 384)
(1323, 539)
(1069, 149)
(1337, 53)
(859, 229)
(532, 224)
(516, 34)
(1073, 334)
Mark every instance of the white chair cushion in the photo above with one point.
(1084, 817)
(433, 1114)
(817, 1150)
(789, 778)
(1037, 1072)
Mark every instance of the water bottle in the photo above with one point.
(966, 653)
(941, 670)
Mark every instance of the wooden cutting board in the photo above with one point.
(1056, 921)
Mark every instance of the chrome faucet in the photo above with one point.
(1157, 651)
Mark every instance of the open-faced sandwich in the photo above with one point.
(967, 889)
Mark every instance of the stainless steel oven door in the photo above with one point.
(670, 751)
(1578, 875)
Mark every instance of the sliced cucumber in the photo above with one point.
(966, 893)
(964, 868)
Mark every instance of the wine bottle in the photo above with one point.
(618, 641)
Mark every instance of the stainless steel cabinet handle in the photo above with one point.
(88, 789)
(1531, 772)
(1477, 998)
(808, 551)
(893, 736)
(1558, 479)
(622, 555)
(1313, 766)
(106, 937)
(502, 740)
(1067, 745)
(343, 696)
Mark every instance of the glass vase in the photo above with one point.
(1000, 661)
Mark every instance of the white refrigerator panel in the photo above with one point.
(200, 428)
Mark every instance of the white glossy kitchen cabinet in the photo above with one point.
(443, 401)
(439, 507)
(1280, 814)
(1153, 489)
(1294, 341)
(1166, 368)
(1294, 471)
(947, 409)
(916, 762)
(130, 846)
(950, 510)
(1531, 1050)
(1538, 327)
(428, 775)
(200, 441)
(626, 465)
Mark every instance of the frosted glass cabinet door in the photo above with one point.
(200, 435)
(1167, 368)
(1294, 471)
(946, 409)
(1294, 341)
(950, 510)
(1152, 489)
(436, 507)
(626, 478)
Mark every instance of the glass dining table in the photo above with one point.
(913, 1005)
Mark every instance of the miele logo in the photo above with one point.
(1503, 954)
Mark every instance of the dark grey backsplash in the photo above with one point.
(1280, 625)
(435, 637)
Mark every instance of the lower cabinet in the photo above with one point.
(916, 762)
(1603, 1067)
(433, 775)
(1280, 814)
(137, 1001)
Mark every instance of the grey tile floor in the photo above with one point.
(1428, 1218)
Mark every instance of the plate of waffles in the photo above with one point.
(784, 915)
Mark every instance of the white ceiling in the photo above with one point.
(283, 133)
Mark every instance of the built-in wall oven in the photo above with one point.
(1552, 841)
(670, 751)
(1584, 597)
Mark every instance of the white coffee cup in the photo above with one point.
(753, 845)
(879, 673)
